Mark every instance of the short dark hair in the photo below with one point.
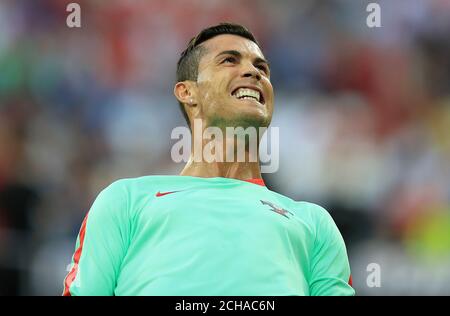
(187, 66)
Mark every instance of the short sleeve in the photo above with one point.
(101, 245)
(330, 268)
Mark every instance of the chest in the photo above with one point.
(224, 216)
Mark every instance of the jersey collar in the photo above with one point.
(256, 181)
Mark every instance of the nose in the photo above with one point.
(252, 72)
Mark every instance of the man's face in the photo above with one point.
(233, 84)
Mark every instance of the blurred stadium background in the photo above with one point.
(364, 117)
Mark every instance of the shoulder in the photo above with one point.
(123, 193)
(315, 211)
(309, 211)
(127, 185)
(319, 218)
(141, 188)
(119, 201)
(325, 229)
(316, 216)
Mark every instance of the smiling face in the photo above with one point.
(233, 85)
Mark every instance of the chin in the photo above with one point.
(257, 117)
(244, 114)
(250, 119)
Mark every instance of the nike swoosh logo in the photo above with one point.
(165, 193)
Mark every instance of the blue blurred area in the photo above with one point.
(364, 118)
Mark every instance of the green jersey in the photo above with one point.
(182, 235)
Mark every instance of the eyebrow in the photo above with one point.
(237, 54)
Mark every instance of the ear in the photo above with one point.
(185, 92)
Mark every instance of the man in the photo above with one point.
(215, 229)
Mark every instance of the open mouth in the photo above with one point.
(244, 93)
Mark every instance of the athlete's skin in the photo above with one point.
(210, 99)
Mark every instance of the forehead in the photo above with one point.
(226, 42)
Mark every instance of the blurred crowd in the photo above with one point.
(364, 118)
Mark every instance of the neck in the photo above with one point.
(216, 153)
(235, 170)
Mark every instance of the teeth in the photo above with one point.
(247, 94)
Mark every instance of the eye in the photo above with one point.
(262, 67)
(229, 59)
